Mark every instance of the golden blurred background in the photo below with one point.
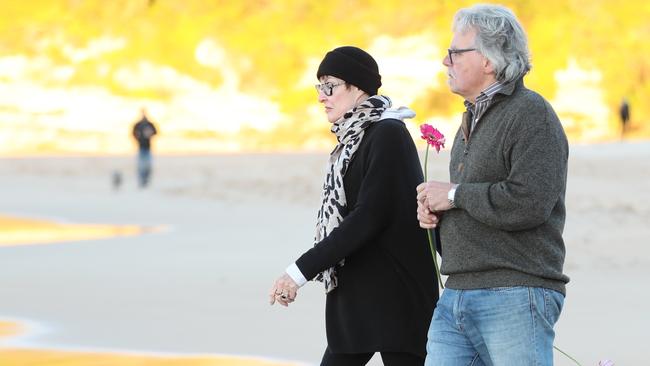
(237, 76)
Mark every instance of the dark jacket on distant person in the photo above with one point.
(143, 131)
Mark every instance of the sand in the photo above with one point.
(231, 225)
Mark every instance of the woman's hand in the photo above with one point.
(284, 291)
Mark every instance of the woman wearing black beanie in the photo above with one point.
(369, 250)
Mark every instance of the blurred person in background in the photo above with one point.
(369, 251)
(143, 131)
(502, 215)
(624, 112)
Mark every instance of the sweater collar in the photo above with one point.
(509, 88)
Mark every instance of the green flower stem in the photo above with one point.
(426, 158)
(431, 246)
(567, 355)
(435, 258)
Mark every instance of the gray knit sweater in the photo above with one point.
(507, 227)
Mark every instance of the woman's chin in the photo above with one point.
(331, 118)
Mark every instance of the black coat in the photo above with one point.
(387, 288)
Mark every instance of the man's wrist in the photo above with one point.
(451, 196)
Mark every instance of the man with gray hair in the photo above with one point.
(502, 215)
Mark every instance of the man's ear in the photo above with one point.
(487, 66)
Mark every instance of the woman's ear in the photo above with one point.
(361, 96)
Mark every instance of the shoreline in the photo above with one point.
(14, 351)
(633, 140)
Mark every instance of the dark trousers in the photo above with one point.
(360, 359)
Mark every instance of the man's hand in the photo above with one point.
(433, 195)
(427, 219)
(284, 291)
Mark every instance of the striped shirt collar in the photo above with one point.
(486, 95)
(483, 101)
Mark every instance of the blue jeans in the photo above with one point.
(144, 167)
(499, 326)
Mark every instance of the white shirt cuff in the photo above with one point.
(294, 272)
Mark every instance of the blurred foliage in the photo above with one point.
(270, 42)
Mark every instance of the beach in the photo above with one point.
(218, 230)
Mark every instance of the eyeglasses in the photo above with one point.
(452, 52)
(327, 88)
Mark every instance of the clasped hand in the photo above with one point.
(284, 291)
(432, 201)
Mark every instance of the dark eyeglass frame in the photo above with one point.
(451, 52)
(327, 88)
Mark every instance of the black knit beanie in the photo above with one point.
(353, 65)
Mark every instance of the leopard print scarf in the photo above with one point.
(349, 131)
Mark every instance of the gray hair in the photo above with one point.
(499, 37)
